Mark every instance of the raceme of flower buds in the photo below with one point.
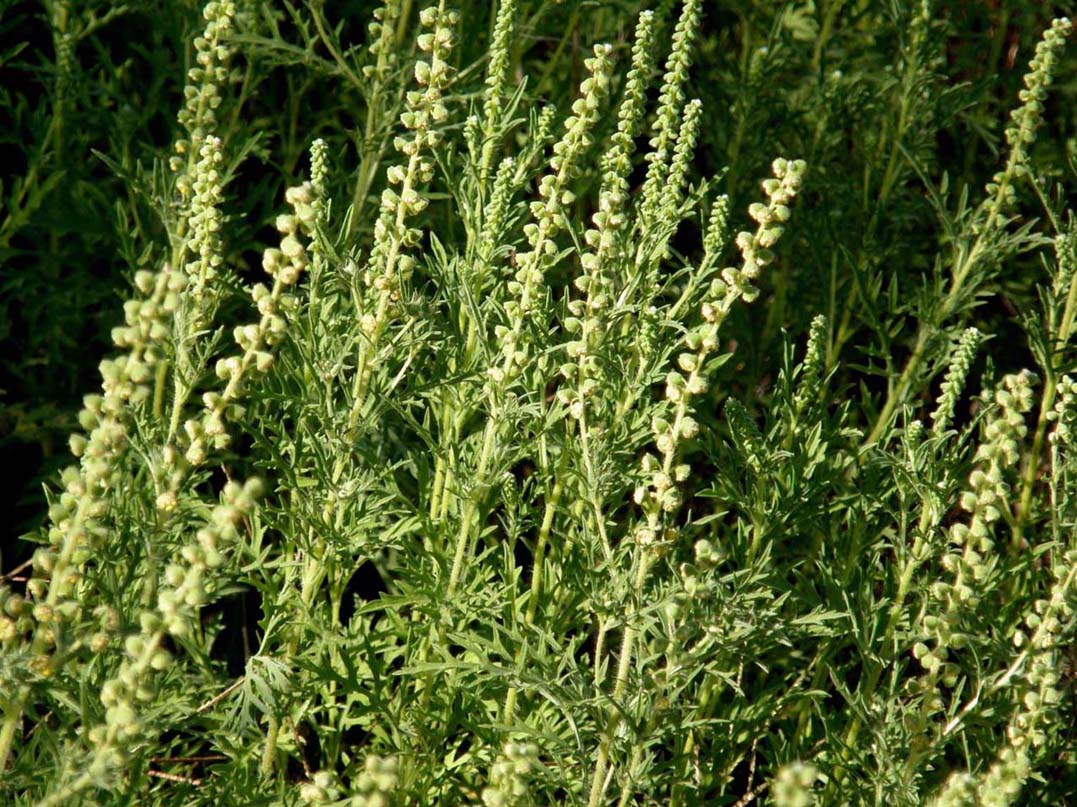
(811, 373)
(548, 216)
(382, 33)
(187, 582)
(509, 775)
(285, 264)
(969, 561)
(1025, 120)
(670, 101)
(954, 383)
(202, 92)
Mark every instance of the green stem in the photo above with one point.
(536, 581)
(269, 753)
(1032, 466)
(345, 68)
(887, 650)
(624, 665)
(472, 507)
(12, 718)
(1060, 338)
(832, 11)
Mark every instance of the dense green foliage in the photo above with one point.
(532, 403)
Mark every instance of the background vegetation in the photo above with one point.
(350, 644)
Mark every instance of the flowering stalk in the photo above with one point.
(670, 101)
(659, 493)
(813, 368)
(497, 81)
(1034, 676)
(548, 219)
(954, 383)
(641, 309)
(512, 174)
(78, 515)
(319, 250)
(493, 215)
(1026, 734)
(1001, 197)
(197, 165)
(209, 429)
(591, 315)
(187, 587)
(390, 264)
(970, 558)
(198, 158)
(1060, 318)
(951, 389)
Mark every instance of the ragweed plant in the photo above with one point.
(531, 403)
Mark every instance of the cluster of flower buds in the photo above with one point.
(382, 32)
(204, 217)
(1064, 414)
(755, 248)
(199, 158)
(970, 559)
(958, 791)
(1027, 117)
(316, 212)
(681, 164)
(323, 788)
(1001, 785)
(618, 162)
(510, 774)
(954, 383)
(589, 313)
(374, 785)
(1040, 641)
(689, 381)
(389, 264)
(202, 93)
(1021, 132)
(146, 326)
(186, 579)
(187, 582)
(548, 217)
(746, 434)
(497, 78)
(66, 66)
(496, 211)
(792, 785)
(77, 514)
(755, 253)
(16, 619)
(812, 368)
(1043, 637)
(670, 101)
(105, 627)
(1066, 261)
(659, 492)
(716, 234)
(285, 264)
